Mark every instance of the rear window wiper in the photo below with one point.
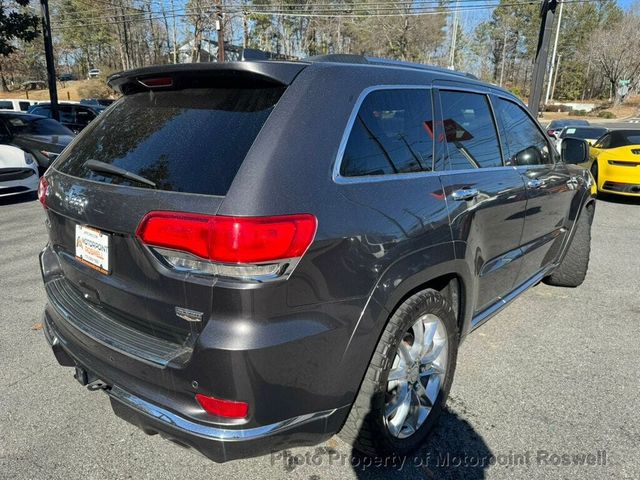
(102, 167)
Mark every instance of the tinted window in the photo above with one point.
(84, 115)
(187, 141)
(624, 138)
(565, 123)
(24, 106)
(526, 144)
(391, 134)
(470, 131)
(583, 133)
(603, 142)
(46, 111)
(65, 113)
(36, 126)
(4, 105)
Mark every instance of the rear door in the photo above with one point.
(486, 199)
(551, 187)
(190, 143)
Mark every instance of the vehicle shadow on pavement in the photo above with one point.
(453, 451)
(16, 199)
(619, 199)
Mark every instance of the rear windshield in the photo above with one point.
(36, 126)
(583, 133)
(191, 140)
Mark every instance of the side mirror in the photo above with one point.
(574, 151)
(529, 156)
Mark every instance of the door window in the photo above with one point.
(6, 105)
(392, 133)
(470, 131)
(603, 142)
(24, 106)
(525, 142)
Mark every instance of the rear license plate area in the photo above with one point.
(92, 248)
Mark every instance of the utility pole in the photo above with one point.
(48, 53)
(504, 54)
(454, 38)
(175, 34)
(547, 12)
(555, 79)
(220, 30)
(553, 55)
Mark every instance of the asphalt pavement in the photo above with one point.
(547, 389)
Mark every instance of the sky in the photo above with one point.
(477, 17)
(625, 3)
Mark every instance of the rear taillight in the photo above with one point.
(223, 408)
(258, 248)
(43, 190)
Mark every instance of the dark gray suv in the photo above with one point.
(252, 256)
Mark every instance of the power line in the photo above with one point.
(415, 11)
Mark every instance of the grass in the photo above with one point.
(66, 91)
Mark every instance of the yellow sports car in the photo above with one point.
(615, 162)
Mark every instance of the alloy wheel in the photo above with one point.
(416, 376)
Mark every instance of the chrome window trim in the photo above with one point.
(435, 86)
(337, 178)
(477, 91)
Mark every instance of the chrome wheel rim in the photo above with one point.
(416, 376)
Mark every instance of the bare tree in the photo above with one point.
(615, 51)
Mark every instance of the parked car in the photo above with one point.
(97, 102)
(614, 162)
(590, 134)
(72, 115)
(67, 77)
(16, 105)
(246, 262)
(555, 126)
(42, 137)
(94, 73)
(18, 171)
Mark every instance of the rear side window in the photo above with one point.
(391, 134)
(4, 105)
(24, 106)
(527, 145)
(36, 126)
(45, 111)
(191, 140)
(470, 131)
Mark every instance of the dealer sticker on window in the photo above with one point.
(92, 248)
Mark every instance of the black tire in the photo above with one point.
(594, 173)
(365, 429)
(573, 269)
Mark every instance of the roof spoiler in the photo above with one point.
(206, 75)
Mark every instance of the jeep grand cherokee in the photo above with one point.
(252, 256)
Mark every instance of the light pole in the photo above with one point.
(454, 38)
(553, 56)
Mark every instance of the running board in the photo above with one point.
(489, 312)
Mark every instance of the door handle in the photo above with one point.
(535, 183)
(465, 194)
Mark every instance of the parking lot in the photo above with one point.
(541, 386)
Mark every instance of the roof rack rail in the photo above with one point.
(363, 59)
